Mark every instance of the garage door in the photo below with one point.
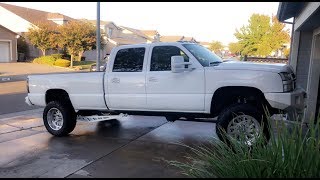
(4, 51)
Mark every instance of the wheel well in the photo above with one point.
(57, 95)
(225, 96)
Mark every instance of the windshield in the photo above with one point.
(203, 55)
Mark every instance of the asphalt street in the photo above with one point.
(12, 96)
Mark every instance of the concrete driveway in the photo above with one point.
(134, 146)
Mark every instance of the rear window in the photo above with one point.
(129, 60)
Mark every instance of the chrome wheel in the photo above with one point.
(244, 128)
(55, 119)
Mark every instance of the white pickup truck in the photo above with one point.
(168, 79)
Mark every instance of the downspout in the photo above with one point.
(291, 38)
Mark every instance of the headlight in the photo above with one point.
(285, 76)
(288, 87)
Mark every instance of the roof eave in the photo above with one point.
(287, 10)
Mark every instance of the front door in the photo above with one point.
(126, 80)
(173, 92)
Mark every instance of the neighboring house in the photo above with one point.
(280, 52)
(305, 48)
(114, 35)
(153, 34)
(8, 45)
(19, 19)
(177, 38)
(205, 44)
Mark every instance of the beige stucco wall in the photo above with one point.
(8, 36)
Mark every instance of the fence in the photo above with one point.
(268, 60)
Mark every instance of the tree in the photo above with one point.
(278, 36)
(42, 36)
(216, 46)
(77, 37)
(22, 46)
(234, 48)
(286, 52)
(261, 36)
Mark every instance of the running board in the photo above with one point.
(96, 118)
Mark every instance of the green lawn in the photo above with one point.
(83, 64)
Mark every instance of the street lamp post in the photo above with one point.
(98, 37)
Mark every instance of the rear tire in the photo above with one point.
(59, 118)
(242, 119)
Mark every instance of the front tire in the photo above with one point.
(242, 122)
(59, 118)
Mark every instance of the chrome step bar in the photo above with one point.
(96, 118)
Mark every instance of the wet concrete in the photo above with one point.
(134, 146)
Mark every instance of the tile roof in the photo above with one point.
(32, 15)
(205, 43)
(124, 41)
(94, 22)
(136, 31)
(149, 32)
(171, 38)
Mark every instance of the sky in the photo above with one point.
(205, 21)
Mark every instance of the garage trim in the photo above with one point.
(10, 47)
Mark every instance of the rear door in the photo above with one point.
(126, 85)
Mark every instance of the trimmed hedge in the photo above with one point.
(49, 60)
(62, 63)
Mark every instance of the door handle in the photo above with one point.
(115, 80)
(153, 79)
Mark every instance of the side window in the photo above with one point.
(161, 57)
(129, 60)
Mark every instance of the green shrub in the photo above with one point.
(83, 64)
(62, 63)
(76, 58)
(56, 56)
(292, 152)
(49, 60)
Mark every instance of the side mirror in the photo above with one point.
(178, 64)
(103, 68)
(94, 67)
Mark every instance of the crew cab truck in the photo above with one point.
(174, 80)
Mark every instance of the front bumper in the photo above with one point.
(27, 100)
(295, 99)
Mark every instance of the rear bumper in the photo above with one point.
(295, 99)
(27, 100)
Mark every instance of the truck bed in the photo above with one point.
(86, 90)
